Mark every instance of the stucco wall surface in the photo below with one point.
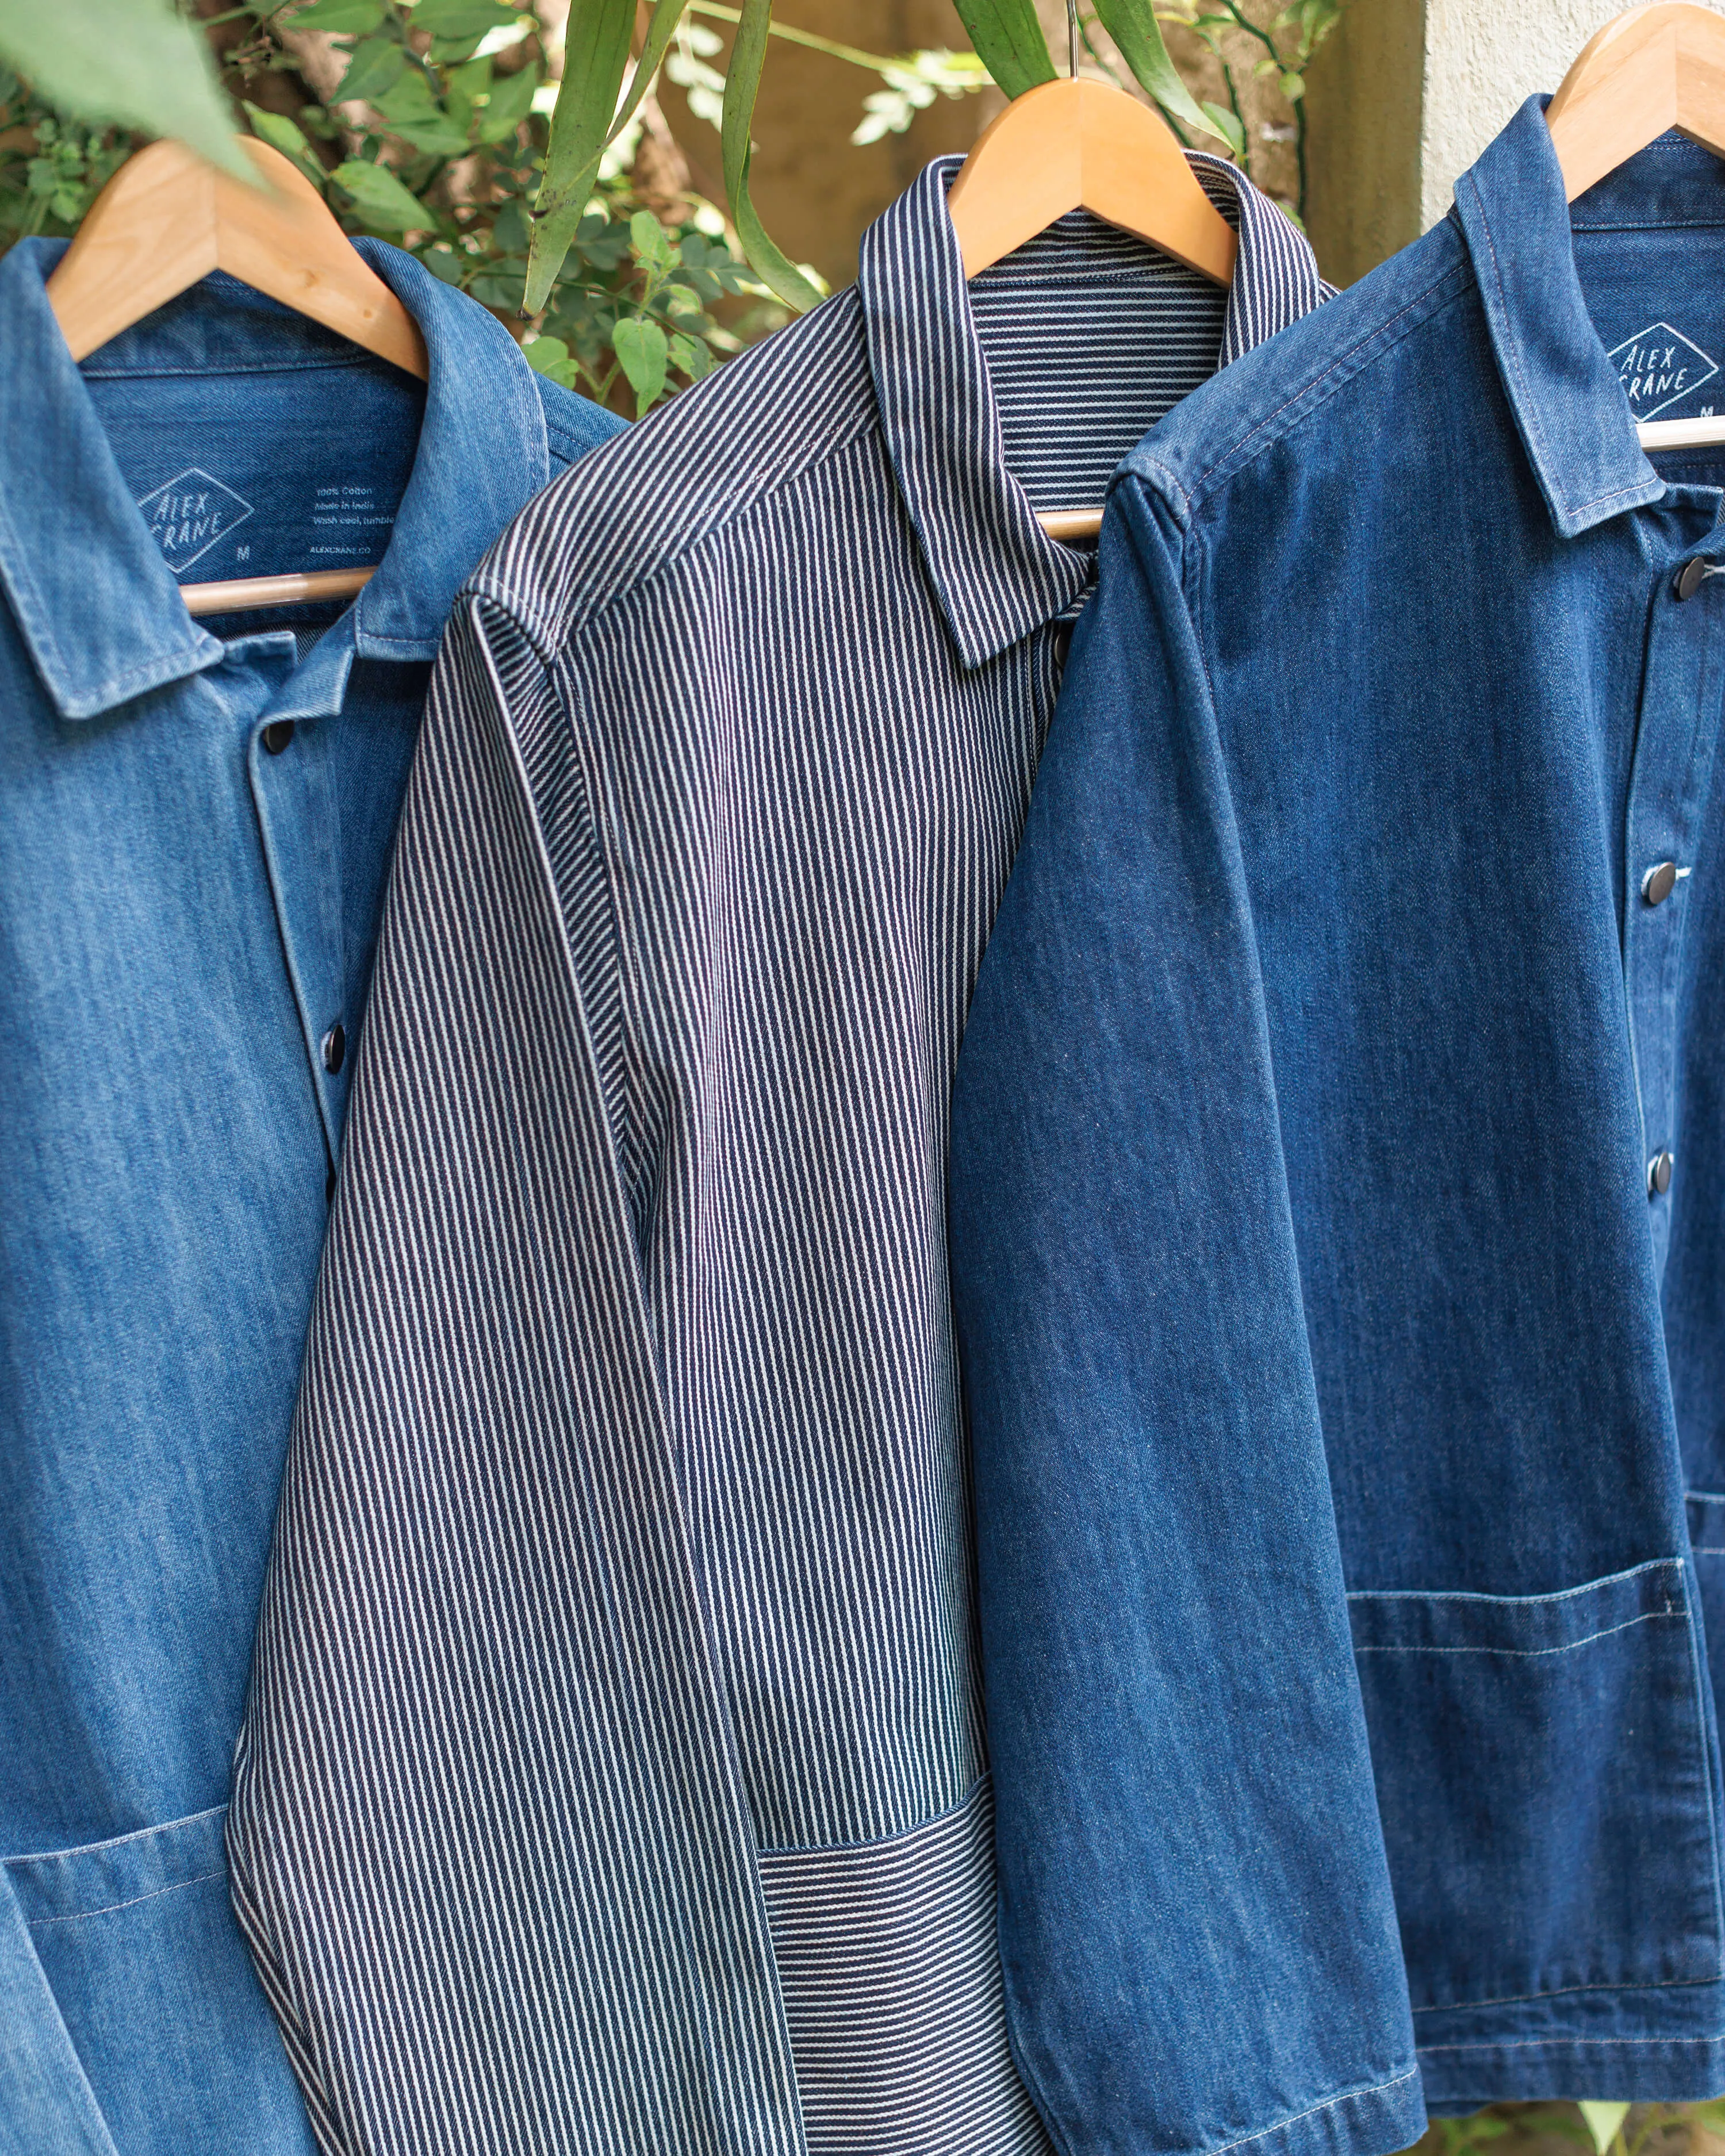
(1482, 58)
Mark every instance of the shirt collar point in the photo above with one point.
(78, 699)
(1575, 425)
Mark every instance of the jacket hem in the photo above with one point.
(1463, 2078)
(1368, 2122)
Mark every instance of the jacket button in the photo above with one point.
(335, 1047)
(277, 735)
(1691, 577)
(1659, 883)
(1658, 1175)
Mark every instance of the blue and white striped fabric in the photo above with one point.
(613, 1777)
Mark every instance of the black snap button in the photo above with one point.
(1691, 577)
(335, 1047)
(1062, 645)
(1658, 1175)
(1660, 882)
(277, 735)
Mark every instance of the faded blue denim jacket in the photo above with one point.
(1337, 1225)
(195, 825)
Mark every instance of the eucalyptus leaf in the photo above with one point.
(374, 68)
(742, 79)
(595, 53)
(571, 162)
(381, 199)
(133, 64)
(641, 348)
(1009, 41)
(1133, 27)
(354, 16)
(1221, 122)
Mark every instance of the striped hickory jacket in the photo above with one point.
(612, 1778)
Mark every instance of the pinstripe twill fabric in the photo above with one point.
(612, 1779)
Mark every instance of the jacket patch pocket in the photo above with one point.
(1543, 1778)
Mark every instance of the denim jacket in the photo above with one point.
(1337, 1229)
(195, 825)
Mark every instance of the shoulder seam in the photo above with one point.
(482, 585)
(1310, 395)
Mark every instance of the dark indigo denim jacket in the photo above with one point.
(1337, 1169)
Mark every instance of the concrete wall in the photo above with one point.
(1405, 95)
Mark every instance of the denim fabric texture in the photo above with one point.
(195, 831)
(1309, 1152)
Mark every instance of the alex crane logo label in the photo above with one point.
(191, 513)
(1660, 366)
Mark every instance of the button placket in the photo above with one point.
(1676, 737)
(291, 791)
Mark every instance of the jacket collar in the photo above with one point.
(1573, 419)
(93, 597)
(996, 572)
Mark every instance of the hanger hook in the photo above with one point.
(1072, 39)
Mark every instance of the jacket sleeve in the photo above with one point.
(487, 1840)
(1198, 1939)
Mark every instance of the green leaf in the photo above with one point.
(132, 63)
(444, 262)
(563, 198)
(381, 199)
(1603, 2121)
(1221, 122)
(457, 20)
(550, 356)
(510, 102)
(412, 112)
(283, 134)
(375, 66)
(650, 239)
(742, 79)
(1293, 85)
(595, 53)
(1133, 27)
(1009, 41)
(690, 356)
(470, 81)
(349, 16)
(641, 348)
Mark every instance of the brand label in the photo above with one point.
(191, 514)
(1660, 366)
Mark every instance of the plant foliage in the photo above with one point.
(448, 126)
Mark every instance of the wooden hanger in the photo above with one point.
(166, 219)
(1650, 70)
(1077, 145)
